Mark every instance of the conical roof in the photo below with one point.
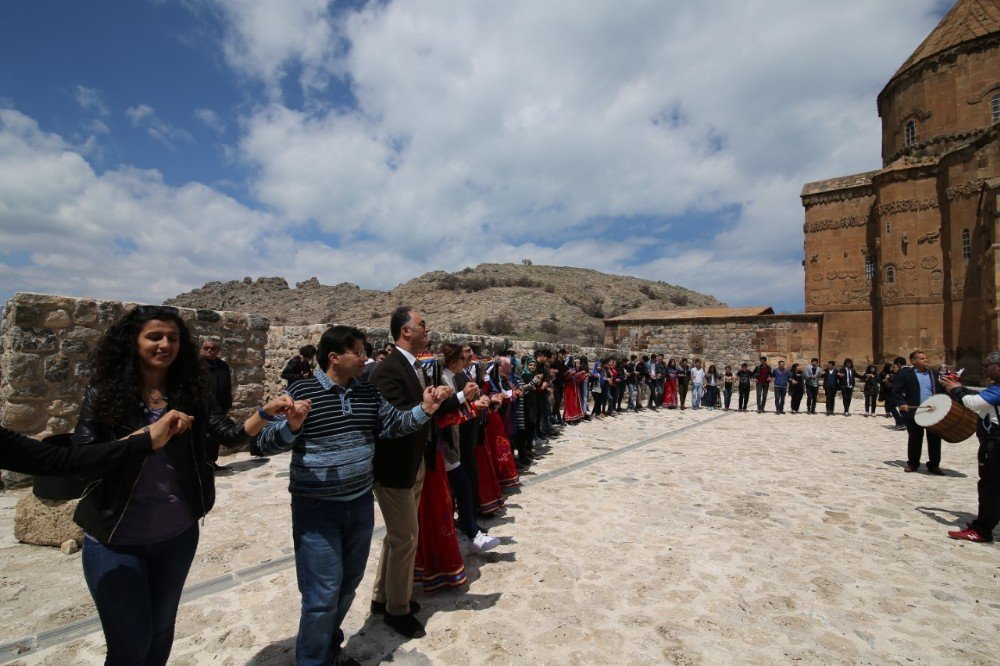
(967, 20)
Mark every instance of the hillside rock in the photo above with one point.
(526, 301)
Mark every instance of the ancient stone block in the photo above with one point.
(64, 408)
(56, 369)
(58, 319)
(45, 522)
(23, 368)
(30, 338)
(74, 347)
(23, 417)
(210, 316)
(33, 391)
(26, 314)
(257, 323)
(108, 312)
(85, 313)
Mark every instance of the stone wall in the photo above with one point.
(46, 341)
(730, 341)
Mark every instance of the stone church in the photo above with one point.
(905, 257)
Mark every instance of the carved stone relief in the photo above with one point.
(929, 262)
(907, 206)
(836, 223)
(937, 283)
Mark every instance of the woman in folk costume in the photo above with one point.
(488, 492)
(670, 385)
(496, 431)
(572, 411)
(457, 452)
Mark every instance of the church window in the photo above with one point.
(869, 268)
(910, 133)
(890, 275)
(995, 107)
(966, 245)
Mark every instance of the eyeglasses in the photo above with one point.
(153, 310)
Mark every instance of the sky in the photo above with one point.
(150, 146)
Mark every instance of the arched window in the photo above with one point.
(910, 133)
(890, 275)
(966, 245)
(995, 107)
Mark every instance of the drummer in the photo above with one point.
(985, 404)
(912, 385)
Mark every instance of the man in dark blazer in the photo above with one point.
(912, 385)
(399, 472)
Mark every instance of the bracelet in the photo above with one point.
(264, 415)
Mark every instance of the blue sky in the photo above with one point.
(147, 147)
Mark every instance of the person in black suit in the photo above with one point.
(830, 383)
(912, 385)
(846, 379)
(399, 470)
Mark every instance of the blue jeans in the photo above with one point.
(631, 396)
(696, 393)
(331, 541)
(137, 590)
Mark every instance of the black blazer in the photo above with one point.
(849, 379)
(906, 387)
(397, 460)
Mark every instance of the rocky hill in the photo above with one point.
(522, 301)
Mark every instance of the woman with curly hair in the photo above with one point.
(140, 518)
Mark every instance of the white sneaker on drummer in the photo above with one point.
(483, 542)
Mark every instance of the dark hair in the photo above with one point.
(398, 320)
(815, 359)
(584, 364)
(763, 358)
(336, 340)
(887, 368)
(560, 351)
(712, 370)
(451, 352)
(831, 363)
(794, 366)
(846, 361)
(900, 361)
(308, 351)
(116, 366)
(369, 350)
(542, 352)
(913, 354)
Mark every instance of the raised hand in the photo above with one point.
(297, 413)
(471, 391)
(443, 392)
(432, 399)
(170, 424)
(279, 405)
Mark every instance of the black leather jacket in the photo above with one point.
(107, 496)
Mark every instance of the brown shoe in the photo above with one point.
(909, 468)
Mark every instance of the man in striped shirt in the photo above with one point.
(331, 433)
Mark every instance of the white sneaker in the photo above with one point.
(483, 542)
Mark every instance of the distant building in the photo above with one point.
(905, 257)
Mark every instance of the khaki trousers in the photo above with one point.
(394, 577)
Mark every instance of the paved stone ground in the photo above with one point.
(694, 537)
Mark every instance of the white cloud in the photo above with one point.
(92, 99)
(210, 119)
(264, 38)
(144, 116)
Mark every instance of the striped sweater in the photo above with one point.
(332, 452)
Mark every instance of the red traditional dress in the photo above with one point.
(488, 493)
(670, 390)
(499, 444)
(572, 409)
(439, 561)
